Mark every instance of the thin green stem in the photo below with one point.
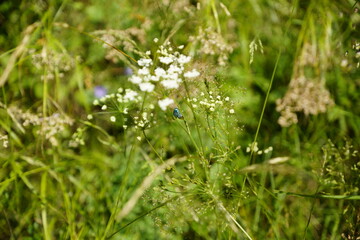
(264, 106)
(271, 82)
(152, 147)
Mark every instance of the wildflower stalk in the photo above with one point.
(143, 103)
(45, 90)
(195, 119)
(252, 158)
(213, 132)
(152, 147)
(229, 217)
(209, 126)
(216, 16)
(271, 82)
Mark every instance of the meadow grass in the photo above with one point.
(164, 119)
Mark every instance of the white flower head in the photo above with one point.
(166, 60)
(144, 62)
(130, 95)
(174, 69)
(160, 72)
(113, 118)
(170, 84)
(184, 59)
(135, 79)
(144, 71)
(164, 103)
(154, 78)
(146, 87)
(192, 74)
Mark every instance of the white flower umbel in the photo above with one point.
(146, 87)
(191, 74)
(166, 60)
(173, 68)
(130, 95)
(170, 84)
(170, 72)
(135, 79)
(184, 59)
(163, 104)
(145, 62)
(154, 78)
(144, 71)
(160, 72)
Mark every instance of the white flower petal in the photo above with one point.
(164, 103)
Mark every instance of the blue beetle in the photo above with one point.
(177, 113)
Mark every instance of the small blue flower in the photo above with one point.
(128, 71)
(100, 91)
(177, 113)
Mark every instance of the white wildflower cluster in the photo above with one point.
(56, 63)
(307, 95)
(212, 103)
(77, 139)
(213, 43)
(169, 73)
(156, 84)
(163, 104)
(254, 147)
(49, 126)
(122, 101)
(144, 120)
(123, 96)
(5, 140)
(53, 125)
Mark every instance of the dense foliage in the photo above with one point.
(179, 119)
